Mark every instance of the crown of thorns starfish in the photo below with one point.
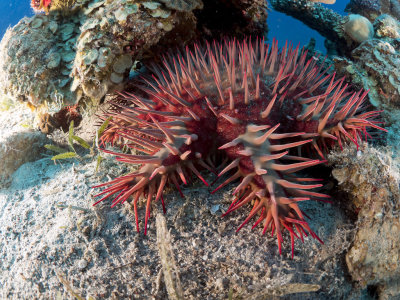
(267, 111)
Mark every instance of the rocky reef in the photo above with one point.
(82, 50)
(37, 57)
(370, 178)
(364, 47)
(54, 244)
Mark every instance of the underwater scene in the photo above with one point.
(200, 149)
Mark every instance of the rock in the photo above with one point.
(47, 208)
(18, 145)
(98, 39)
(371, 179)
(32, 59)
(374, 66)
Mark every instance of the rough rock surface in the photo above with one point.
(19, 142)
(371, 179)
(371, 9)
(374, 66)
(36, 58)
(94, 48)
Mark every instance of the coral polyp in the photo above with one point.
(259, 108)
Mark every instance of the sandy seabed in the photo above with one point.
(55, 244)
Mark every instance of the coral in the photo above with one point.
(371, 9)
(387, 27)
(61, 119)
(260, 106)
(37, 57)
(83, 49)
(344, 33)
(358, 28)
(240, 18)
(47, 124)
(113, 37)
(373, 65)
(375, 62)
(371, 178)
(88, 50)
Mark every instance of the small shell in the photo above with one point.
(92, 7)
(156, 13)
(123, 12)
(82, 264)
(105, 57)
(53, 26)
(36, 23)
(90, 56)
(160, 13)
(68, 56)
(151, 5)
(64, 82)
(54, 60)
(90, 24)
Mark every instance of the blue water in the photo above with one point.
(11, 11)
(281, 26)
(284, 27)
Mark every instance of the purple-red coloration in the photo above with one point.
(258, 106)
